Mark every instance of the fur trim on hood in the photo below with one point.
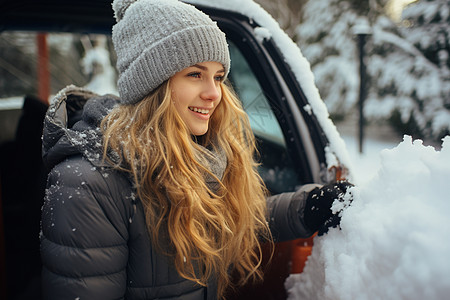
(71, 126)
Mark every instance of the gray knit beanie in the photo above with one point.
(154, 39)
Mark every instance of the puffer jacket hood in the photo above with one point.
(71, 126)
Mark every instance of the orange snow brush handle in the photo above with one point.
(301, 250)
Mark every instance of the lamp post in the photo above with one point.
(362, 30)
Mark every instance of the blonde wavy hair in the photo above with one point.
(210, 232)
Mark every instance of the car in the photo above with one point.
(297, 141)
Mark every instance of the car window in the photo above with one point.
(262, 119)
(73, 58)
(79, 59)
(276, 168)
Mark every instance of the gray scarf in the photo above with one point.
(215, 160)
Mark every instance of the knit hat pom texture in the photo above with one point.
(120, 6)
(154, 39)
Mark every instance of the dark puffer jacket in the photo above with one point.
(94, 241)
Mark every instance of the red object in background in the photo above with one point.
(301, 250)
(288, 258)
(43, 68)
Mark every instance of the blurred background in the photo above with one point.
(403, 47)
(387, 60)
(405, 50)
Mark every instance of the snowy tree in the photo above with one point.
(410, 87)
(327, 40)
(404, 87)
(429, 31)
(288, 13)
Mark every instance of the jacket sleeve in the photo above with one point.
(286, 214)
(84, 233)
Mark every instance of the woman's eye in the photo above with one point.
(219, 78)
(195, 74)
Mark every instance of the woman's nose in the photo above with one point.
(211, 90)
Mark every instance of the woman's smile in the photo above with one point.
(199, 110)
(201, 113)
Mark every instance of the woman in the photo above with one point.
(155, 194)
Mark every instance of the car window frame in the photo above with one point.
(308, 156)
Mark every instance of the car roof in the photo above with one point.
(57, 15)
(82, 16)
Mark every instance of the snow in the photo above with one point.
(12, 103)
(362, 26)
(97, 63)
(394, 240)
(262, 34)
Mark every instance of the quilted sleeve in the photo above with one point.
(286, 214)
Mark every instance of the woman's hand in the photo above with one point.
(318, 214)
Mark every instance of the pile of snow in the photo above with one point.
(395, 237)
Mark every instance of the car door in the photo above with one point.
(290, 141)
